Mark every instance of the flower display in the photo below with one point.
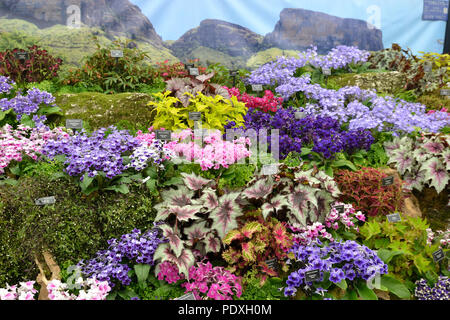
(215, 153)
(336, 220)
(6, 84)
(100, 151)
(25, 291)
(323, 134)
(90, 289)
(208, 282)
(267, 103)
(110, 264)
(440, 291)
(24, 141)
(338, 260)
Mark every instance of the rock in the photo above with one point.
(386, 82)
(116, 17)
(41, 279)
(228, 38)
(410, 207)
(298, 29)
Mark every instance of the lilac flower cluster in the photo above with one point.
(360, 108)
(111, 264)
(282, 70)
(28, 105)
(101, 151)
(340, 260)
(323, 134)
(441, 290)
(6, 84)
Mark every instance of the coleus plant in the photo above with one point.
(422, 160)
(256, 242)
(193, 85)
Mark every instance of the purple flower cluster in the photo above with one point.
(323, 134)
(28, 105)
(112, 264)
(340, 260)
(340, 57)
(441, 290)
(6, 84)
(101, 151)
(282, 70)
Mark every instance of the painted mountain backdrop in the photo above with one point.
(212, 41)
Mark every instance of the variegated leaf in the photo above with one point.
(196, 232)
(446, 155)
(302, 176)
(231, 236)
(434, 147)
(275, 204)
(209, 199)
(250, 228)
(175, 242)
(231, 256)
(212, 244)
(184, 261)
(299, 199)
(162, 214)
(225, 214)
(437, 173)
(181, 197)
(421, 155)
(185, 213)
(248, 252)
(324, 200)
(281, 235)
(261, 189)
(332, 187)
(194, 182)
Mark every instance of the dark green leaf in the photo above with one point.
(396, 287)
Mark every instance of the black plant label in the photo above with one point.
(339, 208)
(273, 264)
(22, 55)
(45, 201)
(195, 116)
(387, 181)
(187, 296)
(395, 217)
(74, 124)
(312, 276)
(164, 135)
(438, 256)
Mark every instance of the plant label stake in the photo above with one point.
(445, 92)
(387, 181)
(163, 135)
(427, 67)
(395, 217)
(117, 54)
(257, 88)
(195, 116)
(339, 208)
(273, 264)
(45, 201)
(312, 276)
(194, 72)
(269, 169)
(438, 256)
(326, 71)
(234, 74)
(299, 115)
(75, 124)
(187, 296)
(22, 56)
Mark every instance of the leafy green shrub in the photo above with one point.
(254, 290)
(124, 74)
(216, 111)
(403, 246)
(74, 228)
(39, 67)
(223, 77)
(363, 189)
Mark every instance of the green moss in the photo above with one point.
(102, 110)
(74, 228)
(434, 101)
